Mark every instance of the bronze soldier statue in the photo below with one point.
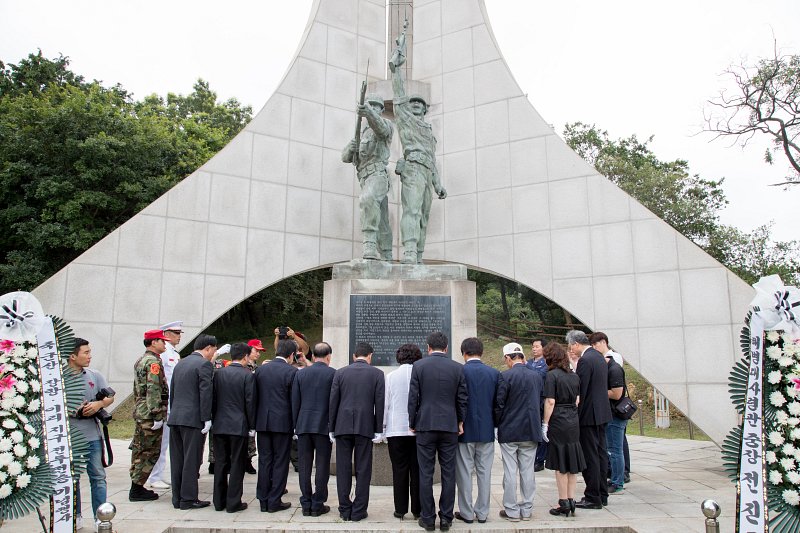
(370, 157)
(417, 169)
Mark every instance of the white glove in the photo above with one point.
(251, 433)
(226, 348)
(377, 438)
(158, 424)
(544, 433)
(330, 436)
(206, 427)
(294, 437)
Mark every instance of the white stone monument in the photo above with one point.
(520, 204)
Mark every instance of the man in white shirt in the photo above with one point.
(170, 357)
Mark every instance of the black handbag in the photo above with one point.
(624, 408)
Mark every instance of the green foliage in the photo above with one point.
(687, 202)
(78, 159)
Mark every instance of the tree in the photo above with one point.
(78, 159)
(765, 102)
(687, 202)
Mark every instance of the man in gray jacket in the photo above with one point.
(190, 420)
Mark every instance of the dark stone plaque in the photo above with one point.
(387, 321)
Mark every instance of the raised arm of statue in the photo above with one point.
(381, 126)
(397, 60)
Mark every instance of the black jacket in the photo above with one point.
(233, 409)
(356, 401)
(437, 394)
(516, 411)
(311, 394)
(594, 409)
(274, 396)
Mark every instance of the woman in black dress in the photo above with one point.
(564, 453)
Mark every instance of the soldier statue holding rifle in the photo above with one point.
(417, 169)
(369, 152)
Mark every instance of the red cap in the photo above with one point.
(154, 334)
(256, 343)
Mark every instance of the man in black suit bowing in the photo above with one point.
(274, 425)
(594, 412)
(190, 420)
(233, 416)
(310, 400)
(355, 419)
(437, 405)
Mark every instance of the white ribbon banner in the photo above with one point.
(56, 431)
(751, 490)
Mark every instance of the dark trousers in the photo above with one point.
(405, 473)
(273, 467)
(353, 451)
(541, 453)
(429, 445)
(313, 448)
(185, 455)
(595, 450)
(231, 456)
(626, 453)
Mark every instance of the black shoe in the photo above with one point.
(210, 468)
(563, 508)
(538, 467)
(263, 506)
(345, 517)
(481, 521)
(140, 494)
(584, 504)
(461, 517)
(627, 478)
(241, 507)
(614, 489)
(250, 469)
(360, 518)
(197, 504)
(285, 492)
(325, 510)
(281, 507)
(444, 526)
(572, 506)
(398, 515)
(604, 501)
(428, 527)
(306, 512)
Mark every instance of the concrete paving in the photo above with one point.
(669, 480)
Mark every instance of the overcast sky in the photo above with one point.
(628, 66)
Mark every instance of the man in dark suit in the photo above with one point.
(594, 412)
(190, 420)
(355, 419)
(274, 425)
(476, 444)
(310, 400)
(519, 430)
(437, 405)
(233, 416)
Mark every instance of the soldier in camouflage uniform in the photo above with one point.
(150, 394)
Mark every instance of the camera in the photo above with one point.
(102, 415)
(283, 332)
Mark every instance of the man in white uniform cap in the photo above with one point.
(170, 357)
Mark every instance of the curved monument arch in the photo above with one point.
(521, 204)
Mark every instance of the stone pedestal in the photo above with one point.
(364, 277)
